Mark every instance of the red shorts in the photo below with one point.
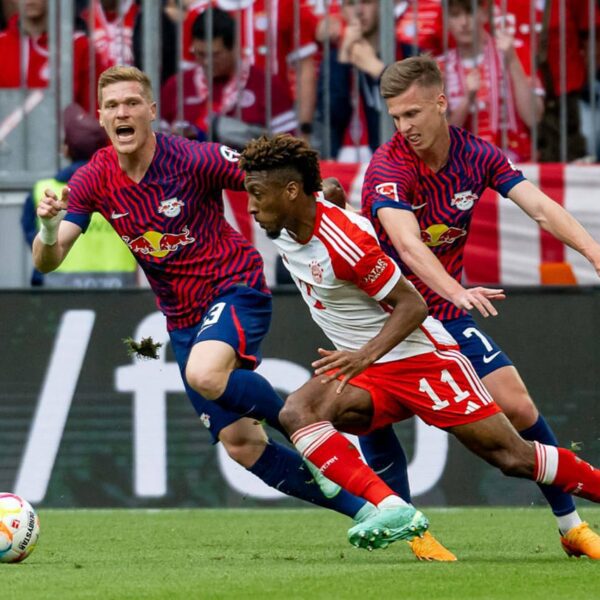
(441, 387)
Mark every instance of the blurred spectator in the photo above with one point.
(7, 9)
(110, 24)
(238, 89)
(275, 35)
(488, 91)
(33, 45)
(169, 59)
(419, 26)
(100, 259)
(354, 63)
(548, 23)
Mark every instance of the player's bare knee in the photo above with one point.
(522, 413)
(295, 414)
(245, 449)
(290, 418)
(210, 384)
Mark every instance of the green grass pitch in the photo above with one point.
(293, 554)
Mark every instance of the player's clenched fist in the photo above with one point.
(51, 211)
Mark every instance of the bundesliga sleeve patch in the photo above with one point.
(229, 154)
(389, 189)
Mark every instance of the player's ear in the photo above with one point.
(293, 189)
(153, 111)
(442, 104)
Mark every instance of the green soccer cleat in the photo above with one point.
(328, 487)
(388, 525)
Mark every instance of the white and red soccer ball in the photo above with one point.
(19, 528)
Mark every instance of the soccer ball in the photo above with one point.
(19, 528)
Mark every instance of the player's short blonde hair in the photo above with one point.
(125, 73)
(399, 76)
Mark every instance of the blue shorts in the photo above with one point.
(239, 317)
(485, 355)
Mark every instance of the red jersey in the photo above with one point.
(112, 32)
(37, 67)
(495, 99)
(243, 95)
(421, 23)
(577, 25)
(173, 222)
(442, 202)
(263, 34)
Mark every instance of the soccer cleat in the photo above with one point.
(581, 541)
(328, 487)
(388, 525)
(428, 548)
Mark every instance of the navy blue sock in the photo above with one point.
(284, 470)
(385, 455)
(560, 502)
(251, 395)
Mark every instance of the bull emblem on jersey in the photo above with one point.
(389, 189)
(438, 234)
(158, 244)
(170, 207)
(316, 270)
(464, 200)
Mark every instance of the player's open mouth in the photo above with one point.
(413, 139)
(125, 133)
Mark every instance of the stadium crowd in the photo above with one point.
(514, 69)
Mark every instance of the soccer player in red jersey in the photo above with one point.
(391, 361)
(420, 191)
(163, 196)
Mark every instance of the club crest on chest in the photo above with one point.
(464, 200)
(171, 207)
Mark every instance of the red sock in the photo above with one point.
(562, 468)
(340, 461)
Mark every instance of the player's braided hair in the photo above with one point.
(284, 152)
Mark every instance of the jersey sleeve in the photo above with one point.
(503, 174)
(219, 166)
(83, 190)
(355, 254)
(387, 184)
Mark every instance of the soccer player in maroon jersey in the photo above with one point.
(388, 365)
(420, 190)
(163, 196)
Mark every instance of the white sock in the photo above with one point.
(567, 522)
(391, 502)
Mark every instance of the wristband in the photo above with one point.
(49, 228)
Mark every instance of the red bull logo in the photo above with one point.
(158, 244)
(438, 234)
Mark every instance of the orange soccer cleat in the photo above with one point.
(428, 548)
(581, 541)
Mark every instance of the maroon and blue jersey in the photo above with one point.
(442, 202)
(173, 222)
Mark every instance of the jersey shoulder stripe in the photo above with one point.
(343, 245)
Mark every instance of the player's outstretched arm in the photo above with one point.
(55, 239)
(409, 312)
(403, 230)
(554, 219)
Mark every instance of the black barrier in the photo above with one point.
(82, 424)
